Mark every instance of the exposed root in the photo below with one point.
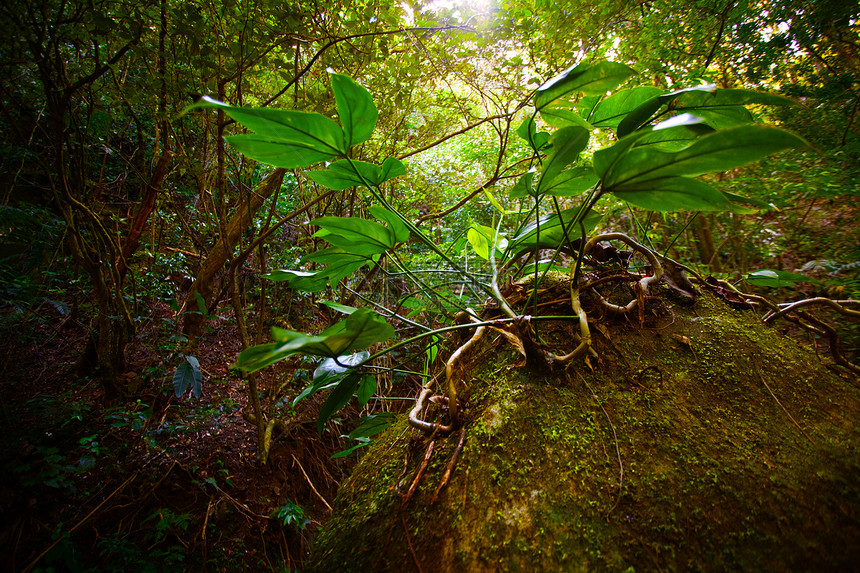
(452, 398)
(644, 283)
(447, 475)
(837, 305)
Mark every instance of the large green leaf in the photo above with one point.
(549, 235)
(285, 138)
(366, 389)
(606, 158)
(527, 131)
(695, 100)
(338, 398)
(640, 115)
(188, 374)
(523, 187)
(354, 108)
(482, 237)
(372, 425)
(567, 143)
(610, 112)
(340, 263)
(286, 154)
(589, 79)
(343, 174)
(557, 116)
(777, 279)
(720, 151)
(359, 330)
(299, 280)
(396, 226)
(720, 108)
(674, 194)
(571, 182)
(354, 230)
(331, 370)
(674, 138)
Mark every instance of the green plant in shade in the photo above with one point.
(663, 142)
(292, 515)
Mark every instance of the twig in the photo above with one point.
(781, 406)
(206, 520)
(311, 484)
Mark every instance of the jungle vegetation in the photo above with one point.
(239, 240)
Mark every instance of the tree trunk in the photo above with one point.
(706, 441)
(223, 250)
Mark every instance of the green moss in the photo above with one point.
(716, 475)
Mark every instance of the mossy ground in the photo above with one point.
(703, 409)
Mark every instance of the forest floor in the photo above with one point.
(156, 483)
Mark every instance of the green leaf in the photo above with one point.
(674, 194)
(719, 151)
(776, 279)
(611, 111)
(340, 264)
(723, 117)
(343, 174)
(567, 143)
(300, 280)
(372, 425)
(182, 378)
(188, 374)
(361, 329)
(528, 132)
(558, 116)
(523, 186)
(330, 372)
(354, 230)
(197, 377)
(391, 168)
(337, 399)
(286, 154)
(201, 303)
(339, 307)
(284, 138)
(366, 389)
(334, 368)
(396, 226)
(675, 138)
(697, 100)
(481, 237)
(638, 116)
(571, 182)
(549, 234)
(362, 443)
(355, 109)
(590, 79)
(754, 204)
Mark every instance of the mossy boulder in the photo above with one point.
(739, 451)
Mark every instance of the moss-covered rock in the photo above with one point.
(738, 449)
